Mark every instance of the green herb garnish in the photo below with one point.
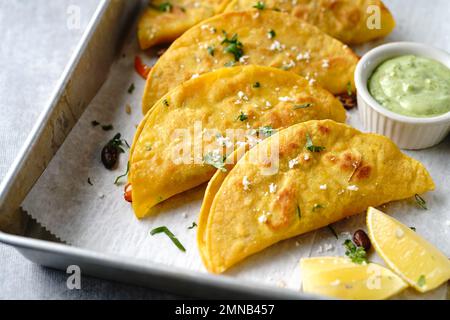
(413, 228)
(95, 123)
(257, 85)
(148, 147)
(230, 64)
(123, 175)
(242, 117)
(233, 46)
(171, 236)
(193, 226)
(317, 206)
(421, 281)
(421, 202)
(165, 7)
(349, 88)
(215, 160)
(298, 211)
(271, 34)
(211, 50)
(118, 143)
(165, 102)
(108, 127)
(356, 254)
(310, 145)
(131, 88)
(302, 106)
(260, 5)
(333, 231)
(267, 131)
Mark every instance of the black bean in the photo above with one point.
(110, 154)
(361, 239)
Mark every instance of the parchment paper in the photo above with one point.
(97, 218)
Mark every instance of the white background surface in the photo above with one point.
(36, 44)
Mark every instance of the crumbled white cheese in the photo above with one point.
(264, 217)
(276, 46)
(293, 163)
(195, 75)
(244, 59)
(325, 63)
(268, 104)
(242, 96)
(399, 233)
(286, 99)
(304, 56)
(288, 65)
(224, 141)
(208, 27)
(323, 187)
(306, 156)
(328, 247)
(311, 81)
(352, 188)
(335, 283)
(272, 188)
(245, 183)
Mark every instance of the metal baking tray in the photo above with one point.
(83, 77)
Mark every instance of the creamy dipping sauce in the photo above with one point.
(412, 86)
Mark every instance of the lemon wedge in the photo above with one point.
(417, 261)
(340, 278)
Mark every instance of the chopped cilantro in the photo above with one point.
(421, 202)
(317, 206)
(233, 46)
(413, 229)
(230, 64)
(171, 236)
(211, 50)
(131, 88)
(242, 117)
(310, 145)
(108, 127)
(266, 131)
(165, 102)
(271, 34)
(123, 175)
(215, 160)
(421, 281)
(257, 85)
(298, 211)
(165, 7)
(333, 231)
(193, 226)
(260, 5)
(356, 254)
(302, 106)
(349, 88)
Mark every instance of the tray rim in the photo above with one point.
(27, 245)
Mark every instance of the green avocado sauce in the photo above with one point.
(412, 86)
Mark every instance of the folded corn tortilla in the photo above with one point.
(266, 38)
(184, 138)
(327, 171)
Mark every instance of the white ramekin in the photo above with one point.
(406, 132)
